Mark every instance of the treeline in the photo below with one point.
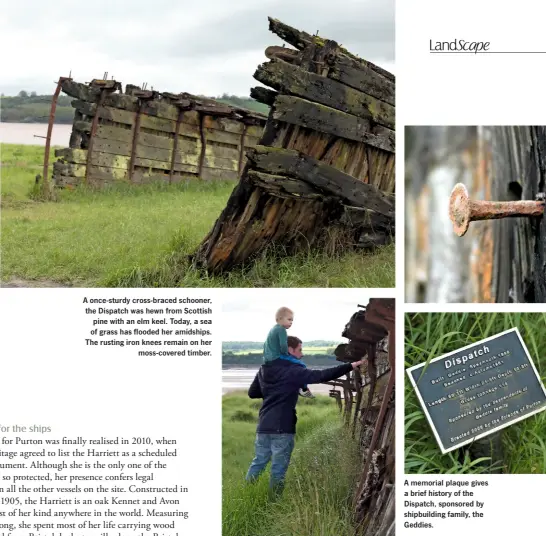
(243, 102)
(310, 360)
(32, 108)
(240, 346)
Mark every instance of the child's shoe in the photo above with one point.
(306, 394)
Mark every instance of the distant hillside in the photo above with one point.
(310, 359)
(246, 346)
(243, 102)
(33, 108)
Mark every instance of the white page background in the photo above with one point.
(460, 89)
(50, 378)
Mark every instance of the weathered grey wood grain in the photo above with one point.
(322, 118)
(292, 80)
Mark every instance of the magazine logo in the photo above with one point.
(459, 45)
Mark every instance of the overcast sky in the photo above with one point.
(204, 47)
(318, 314)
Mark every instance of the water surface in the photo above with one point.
(24, 133)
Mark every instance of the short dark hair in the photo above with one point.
(293, 342)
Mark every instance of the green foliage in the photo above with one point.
(320, 479)
(241, 346)
(243, 102)
(256, 359)
(433, 334)
(35, 108)
(247, 353)
(139, 236)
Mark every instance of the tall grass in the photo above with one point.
(141, 236)
(320, 481)
(430, 335)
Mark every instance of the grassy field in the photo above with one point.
(141, 237)
(320, 480)
(431, 335)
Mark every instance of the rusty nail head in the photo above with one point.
(463, 210)
(459, 209)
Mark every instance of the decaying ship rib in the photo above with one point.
(143, 136)
(322, 173)
(371, 334)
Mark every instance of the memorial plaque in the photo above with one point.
(479, 389)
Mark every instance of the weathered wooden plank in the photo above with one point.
(165, 108)
(366, 80)
(227, 164)
(164, 140)
(322, 176)
(310, 142)
(347, 59)
(223, 123)
(222, 151)
(291, 35)
(281, 185)
(290, 79)
(297, 111)
(107, 132)
(74, 174)
(78, 171)
(79, 156)
(185, 155)
(144, 176)
(349, 157)
(221, 129)
(124, 117)
(381, 169)
(219, 136)
(214, 174)
(251, 141)
(263, 95)
(124, 102)
(254, 131)
(302, 40)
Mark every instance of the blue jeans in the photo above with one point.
(277, 448)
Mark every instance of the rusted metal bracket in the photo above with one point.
(242, 151)
(134, 144)
(380, 417)
(376, 432)
(203, 142)
(175, 143)
(45, 184)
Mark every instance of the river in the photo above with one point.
(234, 379)
(23, 133)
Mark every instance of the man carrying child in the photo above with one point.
(278, 382)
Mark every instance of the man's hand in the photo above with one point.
(357, 363)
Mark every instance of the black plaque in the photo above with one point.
(479, 389)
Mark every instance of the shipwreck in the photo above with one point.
(322, 174)
(139, 136)
(366, 399)
(318, 172)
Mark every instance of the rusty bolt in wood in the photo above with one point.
(463, 210)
